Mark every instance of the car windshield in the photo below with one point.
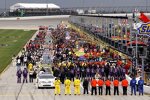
(46, 76)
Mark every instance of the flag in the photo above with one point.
(80, 52)
(124, 21)
(144, 18)
(137, 25)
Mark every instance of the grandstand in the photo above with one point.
(33, 8)
(38, 9)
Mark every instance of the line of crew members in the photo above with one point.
(99, 84)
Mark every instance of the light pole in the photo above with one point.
(126, 30)
(107, 29)
(142, 68)
(46, 7)
(114, 29)
(5, 6)
(111, 29)
(122, 34)
(136, 50)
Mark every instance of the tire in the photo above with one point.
(39, 87)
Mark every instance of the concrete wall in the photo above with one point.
(31, 22)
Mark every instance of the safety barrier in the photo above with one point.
(147, 78)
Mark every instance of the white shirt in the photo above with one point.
(18, 61)
(25, 59)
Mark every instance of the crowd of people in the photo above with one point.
(97, 66)
(94, 62)
(31, 54)
(77, 60)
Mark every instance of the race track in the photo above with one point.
(30, 23)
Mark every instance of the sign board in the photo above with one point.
(144, 28)
(113, 61)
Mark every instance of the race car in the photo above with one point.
(45, 80)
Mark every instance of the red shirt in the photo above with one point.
(116, 82)
(107, 83)
(124, 83)
(93, 83)
(100, 82)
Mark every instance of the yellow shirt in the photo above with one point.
(69, 63)
(67, 82)
(57, 82)
(30, 66)
(77, 82)
(59, 64)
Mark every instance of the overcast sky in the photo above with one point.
(79, 3)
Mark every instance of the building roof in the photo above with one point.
(34, 6)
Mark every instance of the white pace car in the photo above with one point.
(45, 80)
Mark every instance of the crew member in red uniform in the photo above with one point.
(116, 84)
(108, 83)
(124, 84)
(93, 85)
(100, 86)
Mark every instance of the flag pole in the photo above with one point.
(47, 7)
(136, 55)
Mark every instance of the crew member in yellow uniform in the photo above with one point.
(67, 86)
(57, 86)
(77, 86)
(30, 67)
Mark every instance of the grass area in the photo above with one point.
(11, 42)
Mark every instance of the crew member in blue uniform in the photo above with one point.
(140, 86)
(133, 85)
